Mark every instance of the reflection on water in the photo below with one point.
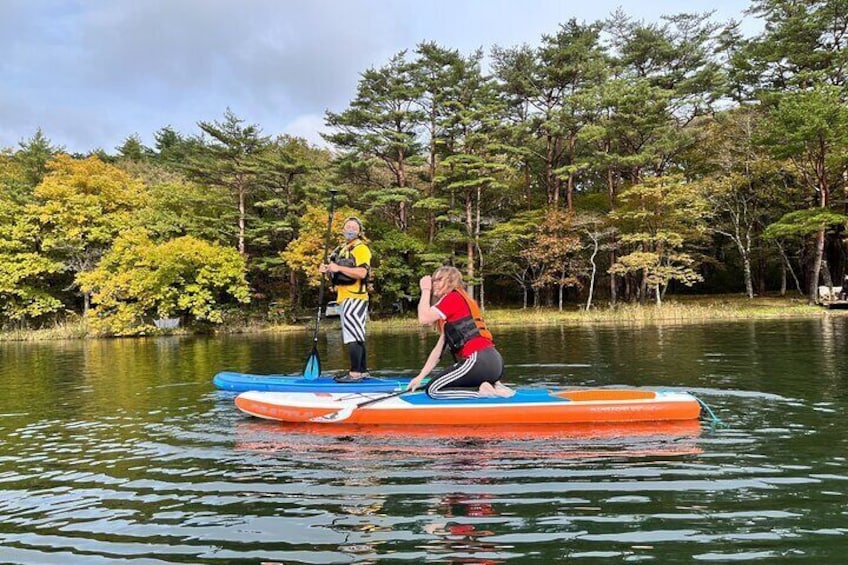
(120, 451)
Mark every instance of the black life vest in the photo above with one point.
(460, 332)
(343, 257)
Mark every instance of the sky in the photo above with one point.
(89, 73)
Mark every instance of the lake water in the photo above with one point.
(121, 451)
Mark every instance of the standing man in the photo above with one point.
(349, 268)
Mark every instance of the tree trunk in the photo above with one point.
(401, 180)
(560, 297)
(469, 247)
(241, 217)
(569, 190)
(746, 270)
(816, 272)
(611, 195)
(549, 169)
(431, 217)
(788, 266)
(782, 278)
(824, 201)
(293, 294)
(477, 239)
(594, 271)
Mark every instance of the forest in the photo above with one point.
(613, 161)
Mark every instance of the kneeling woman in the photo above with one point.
(479, 366)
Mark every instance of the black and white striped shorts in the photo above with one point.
(354, 315)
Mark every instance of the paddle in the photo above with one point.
(312, 368)
(344, 413)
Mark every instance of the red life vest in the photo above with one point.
(461, 331)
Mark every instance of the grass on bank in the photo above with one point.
(684, 309)
(677, 309)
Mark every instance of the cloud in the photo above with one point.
(309, 127)
(90, 73)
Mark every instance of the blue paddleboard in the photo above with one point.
(243, 382)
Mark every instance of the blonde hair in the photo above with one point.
(451, 275)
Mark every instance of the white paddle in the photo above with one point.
(344, 413)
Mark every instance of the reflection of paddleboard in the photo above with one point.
(527, 406)
(533, 441)
(514, 432)
(242, 382)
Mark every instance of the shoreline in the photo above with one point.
(677, 310)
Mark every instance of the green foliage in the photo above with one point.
(138, 280)
(397, 266)
(811, 128)
(803, 43)
(133, 150)
(24, 272)
(23, 290)
(680, 135)
(34, 156)
(804, 223)
(657, 219)
(229, 158)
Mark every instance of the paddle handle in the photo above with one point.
(333, 193)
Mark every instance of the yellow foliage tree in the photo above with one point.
(81, 206)
(304, 254)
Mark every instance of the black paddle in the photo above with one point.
(312, 368)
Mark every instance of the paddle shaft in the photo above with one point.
(323, 262)
(375, 400)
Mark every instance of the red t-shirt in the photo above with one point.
(451, 308)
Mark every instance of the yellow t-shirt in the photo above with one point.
(362, 256)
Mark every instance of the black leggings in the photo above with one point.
(463, 379)
(356, 351)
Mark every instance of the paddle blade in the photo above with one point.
(344, 413)
(337, 416)
(312, 369)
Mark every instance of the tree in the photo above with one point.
(172, 148)
(804, 44)
(138, 280)
(545, 89)
(472, 166)
(34, 155)
(291, 173)
(810, 130)
(25, 273)
(555, 253)
(436, 72)
(80, 208)
(739, 181)
(658, 218)
(506, 245)
(132, 149)
(229, 159)
(381, 125)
